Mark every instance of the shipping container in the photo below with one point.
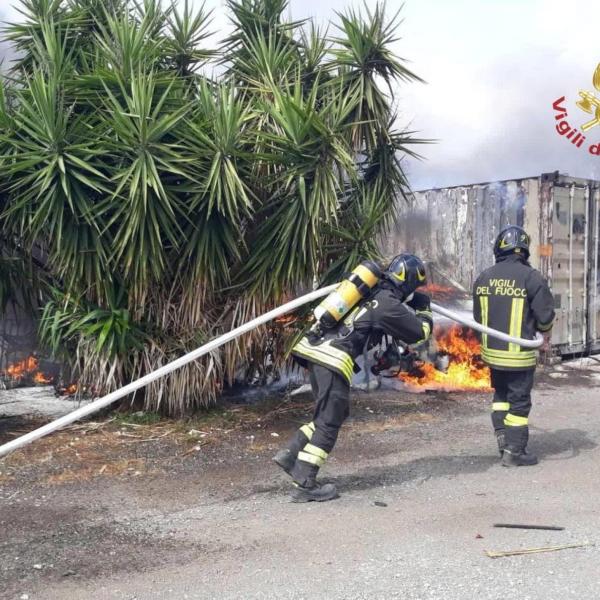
(454, 228)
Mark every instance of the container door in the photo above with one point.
(569, 266)
(594, 275)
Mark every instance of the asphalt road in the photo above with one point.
(230, 533)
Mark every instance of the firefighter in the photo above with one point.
(514, 298)
(391, 308)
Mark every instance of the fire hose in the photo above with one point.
(288, 307)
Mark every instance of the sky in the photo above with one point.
(493, 70)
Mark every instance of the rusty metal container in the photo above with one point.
(455, 227)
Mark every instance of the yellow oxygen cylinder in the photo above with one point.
(347, 294)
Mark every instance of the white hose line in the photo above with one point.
(539, 338)
(105, 401)
(288, 307)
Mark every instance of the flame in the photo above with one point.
(442, 292)
(27, 368)
(436, 288)
(71, 389)
(465, 371)
(42, 379)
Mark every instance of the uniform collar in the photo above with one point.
(513, 258)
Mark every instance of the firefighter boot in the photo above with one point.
(286, 457)
(499, 429)
(307, 487)
(515, 454)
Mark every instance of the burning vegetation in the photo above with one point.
(31, 372)
(26, 371)
(465, 369)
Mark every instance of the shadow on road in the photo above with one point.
(549, 445)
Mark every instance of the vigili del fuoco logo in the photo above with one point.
(590, 104)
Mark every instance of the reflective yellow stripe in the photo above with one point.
(307, 430)
(500, 406)
(509, 354)
(327, 355)
(328, 350)
(426, 331)
(483, 301)
(521, 354)
(315, 451)
(515, 421)
(426, 313)
(519, 326)
(510, 364)
(511, 325)
(310, 458)
(507, 358)
(516, 322)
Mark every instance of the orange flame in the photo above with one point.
(465, 370)
(436, 288)
(28, 367)
(442, 292)
(42, 379)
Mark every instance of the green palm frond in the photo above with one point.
(317, 165)
(150, 208)
(146, 164)
(186, 34)
(218, 134)
(127, 45)
(35, 15)
(365, 47)
(361, 57)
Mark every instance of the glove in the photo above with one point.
(421, 304)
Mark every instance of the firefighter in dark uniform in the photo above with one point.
(392, 308)
(514, 298)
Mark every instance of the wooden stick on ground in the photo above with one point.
(519, 526)
(493, 554)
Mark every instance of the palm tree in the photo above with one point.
(156, 206)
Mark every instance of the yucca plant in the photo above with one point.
(162, 206)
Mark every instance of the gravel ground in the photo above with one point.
(220, 525)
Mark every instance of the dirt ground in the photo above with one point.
(129, 507)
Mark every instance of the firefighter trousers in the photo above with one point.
(315, 440)
(332, 395)
(512, 397)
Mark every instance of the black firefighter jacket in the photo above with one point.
(514, 298)
(382, 314)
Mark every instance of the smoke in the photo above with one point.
(492, 79)
(514, 134)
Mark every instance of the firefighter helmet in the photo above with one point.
(512, 239)
(406, 273)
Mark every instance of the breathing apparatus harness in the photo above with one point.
(358, 287)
